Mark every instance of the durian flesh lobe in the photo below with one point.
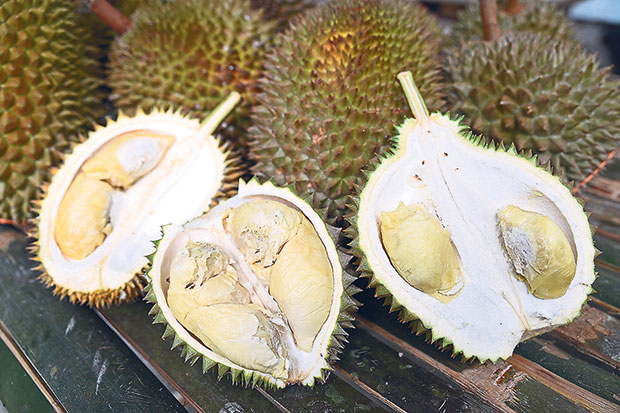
(522, 243)
(255, 284)
(107, 202)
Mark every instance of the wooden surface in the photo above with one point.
(115, 360)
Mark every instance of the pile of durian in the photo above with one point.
(466, 221)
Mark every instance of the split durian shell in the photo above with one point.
(483, 219)
(107, 202)
(308, 354)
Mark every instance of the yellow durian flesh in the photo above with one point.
(539, 251)
(256, 284)
(280, 237)
(128, 158)
(419, 248)
(82, 222)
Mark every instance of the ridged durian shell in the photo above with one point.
(535, 16)
(49, 93)
(330, 97)
(132, 289)
(541, 95)
(191, 54)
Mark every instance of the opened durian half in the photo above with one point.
(254, 286)
(476, 243)
(106, 204)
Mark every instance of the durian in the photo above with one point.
(329, 99)
(190, 54)
(49, 93)
(470, 240)
(535, 16)
(541, 95)
(283, 10)
(254, 286)
(106, 204)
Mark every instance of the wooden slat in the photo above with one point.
(85, 366)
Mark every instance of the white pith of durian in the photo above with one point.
(181, 186)
(465, 183)
(209, 228)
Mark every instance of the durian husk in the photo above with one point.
(330, 98)
(191, 54)
(338, 339)
(132, 289)
(543, 95)
(50, 92)
(404, 314)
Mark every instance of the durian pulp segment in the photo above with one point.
(275, 280)
(465, 186)
(179, 187)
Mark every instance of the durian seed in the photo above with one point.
(539, 251)
(83, 216)
(420, 249)
(246, 294)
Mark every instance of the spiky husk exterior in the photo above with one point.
(191, 54)
(407, 315)
(131, 290)
(49, 93)
(283, 10)
(330, 96)
(346, 316)
(540, 95)
(535, 16)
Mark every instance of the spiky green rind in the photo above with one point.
(191, 54)
(49, 93)
(541, 95)
(338, 339)
(282, 11)
(330, 98)
(407, 315)
(130, 291)
(535, 16)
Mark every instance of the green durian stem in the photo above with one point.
(218, 114)
(414, 97)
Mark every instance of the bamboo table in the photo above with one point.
(115, 359)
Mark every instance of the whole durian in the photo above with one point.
(107, 202)
(470, 240)
(539, 94)
(254, 286)
(330, 99)
(49, 93)
(190, 54)
(534, 16)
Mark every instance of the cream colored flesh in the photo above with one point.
(465, 186)
(279, 286)
(157, 185)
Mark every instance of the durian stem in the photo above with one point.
(513, 7)
(488, 13)
(110, 15)
(218, 114)
(414, 97)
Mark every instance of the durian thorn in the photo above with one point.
(218, 114)
(414, 97)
